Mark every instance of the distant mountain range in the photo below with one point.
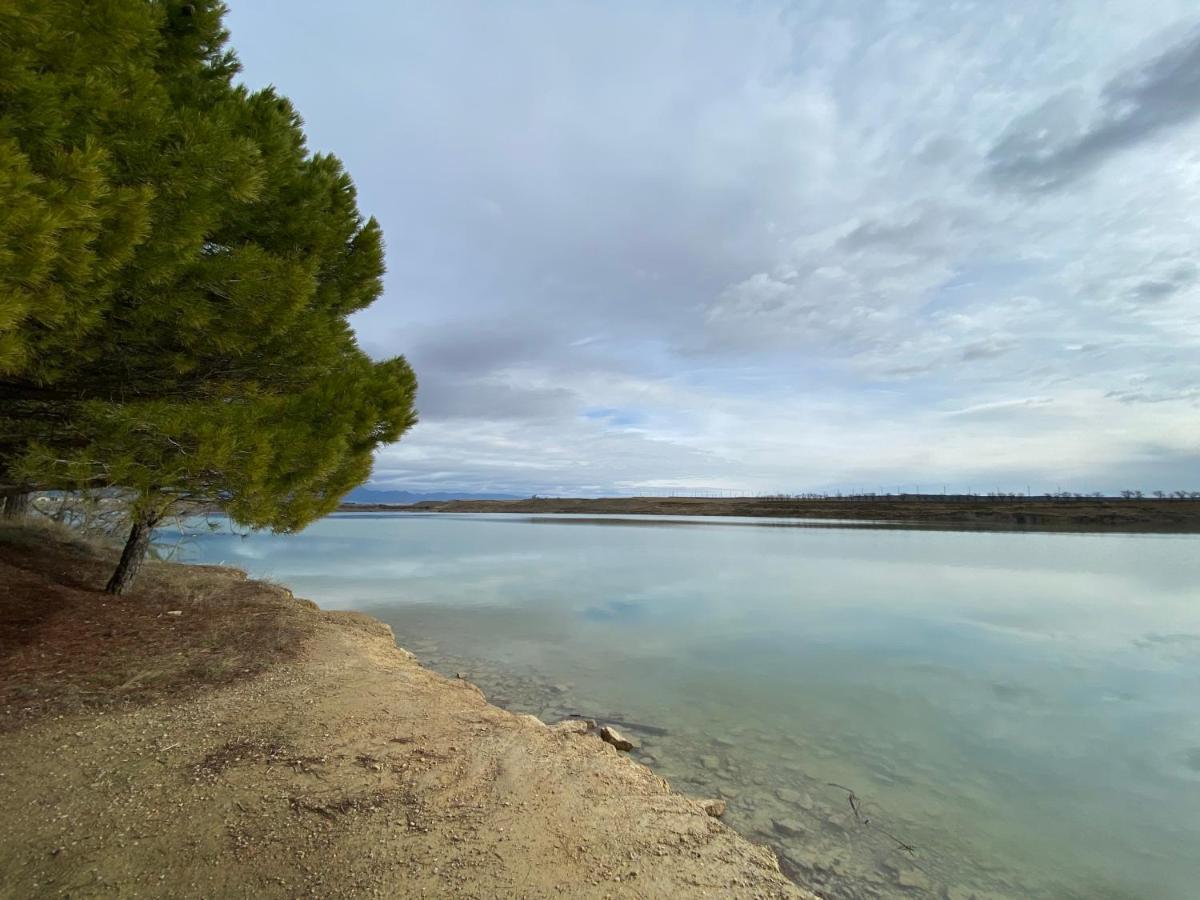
(371, 495)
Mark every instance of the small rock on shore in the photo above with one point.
(715, 808)
(610, 735)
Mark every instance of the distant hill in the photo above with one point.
(371, 495)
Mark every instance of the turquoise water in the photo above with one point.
(1016, 714)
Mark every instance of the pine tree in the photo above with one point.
(270, 460)
(176, 272)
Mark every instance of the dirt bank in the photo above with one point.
(211, 736)
(910, 511)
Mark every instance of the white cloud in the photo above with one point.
(783, 246)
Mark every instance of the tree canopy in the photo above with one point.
(176, 273)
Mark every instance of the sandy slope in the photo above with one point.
(347, 770)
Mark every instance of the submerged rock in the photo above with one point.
(912, 878)
(791, 828)
(794, 798)
(610, 735)
(715, 808)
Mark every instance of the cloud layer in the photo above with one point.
(772, 247)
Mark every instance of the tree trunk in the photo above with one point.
(16, 503)
(133, 555)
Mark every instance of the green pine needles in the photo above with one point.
(176, 273)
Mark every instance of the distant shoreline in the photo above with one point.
(1083, 514)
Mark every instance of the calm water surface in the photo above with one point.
(1021, 710)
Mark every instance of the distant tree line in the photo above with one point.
(865, 496)
(1162, 495)
(176, 273)
(990, 496)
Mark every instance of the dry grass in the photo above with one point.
(65, 644)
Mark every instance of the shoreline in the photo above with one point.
(1083, 515)
(195, 762)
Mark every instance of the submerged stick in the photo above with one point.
(856, 808)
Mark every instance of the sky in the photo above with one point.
(638, 247)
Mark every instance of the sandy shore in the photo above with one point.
(212, 736)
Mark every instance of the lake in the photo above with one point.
(1013, 715)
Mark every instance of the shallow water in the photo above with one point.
(1016, 714)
